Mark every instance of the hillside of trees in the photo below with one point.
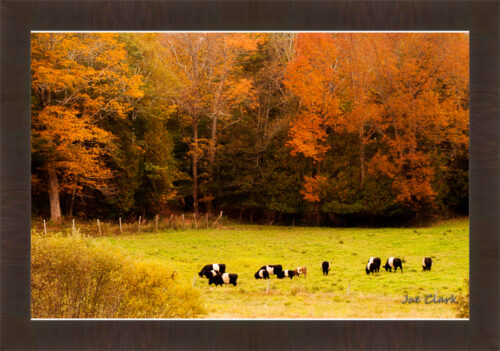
(309, 128)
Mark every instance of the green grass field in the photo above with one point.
(346, 293)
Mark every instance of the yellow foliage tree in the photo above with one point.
(78, 82)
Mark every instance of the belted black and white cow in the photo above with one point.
(272, 268)
(373, 265)
(393, 262)
(218, 267)
(326, 267)
(427, 263)
(287, 273)
(223, 278)
(211, 274)
(262, 274)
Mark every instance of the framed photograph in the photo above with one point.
(250, 175)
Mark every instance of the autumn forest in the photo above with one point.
(333, 129)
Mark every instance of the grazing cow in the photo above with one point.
(210, 274)
(301, 270)
(326, 267)
(272, 268)
(370, 268)
(223, 278)
(373, 265)
(262, 274)
(286, 273)
(427, 263)
(218, 267)
(393, 262)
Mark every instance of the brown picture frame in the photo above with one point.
(18, 18)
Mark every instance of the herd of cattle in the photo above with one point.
(216, 272)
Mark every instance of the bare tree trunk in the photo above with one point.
(318, 215)
(70, 213)
(211, 159)
(195, 165)
(53, 183)
(220, 216)
(317, 206)
(362, 147)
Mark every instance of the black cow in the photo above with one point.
(218, 267)
(286, 273)
(373, 265)
(427, 263)
(223, 278)
(326, 267)
(262, 274)
(272, 268)
(211, 274)
(393, 262)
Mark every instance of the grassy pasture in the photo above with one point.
(346, 293)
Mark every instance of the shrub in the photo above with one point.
(75, 277)
(463, 302)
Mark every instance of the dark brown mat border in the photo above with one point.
(19, 17)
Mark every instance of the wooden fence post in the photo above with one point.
(206, 219)
(120, 221)
(171, 221)
(45, 227)
(99, 226)
(195, 224)
(139, 225)
(156, 223)
(183, 221)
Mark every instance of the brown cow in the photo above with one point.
(301, 270)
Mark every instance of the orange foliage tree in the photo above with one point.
(78, 82)
(313, 77)
(422, 89)
(405, 95)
